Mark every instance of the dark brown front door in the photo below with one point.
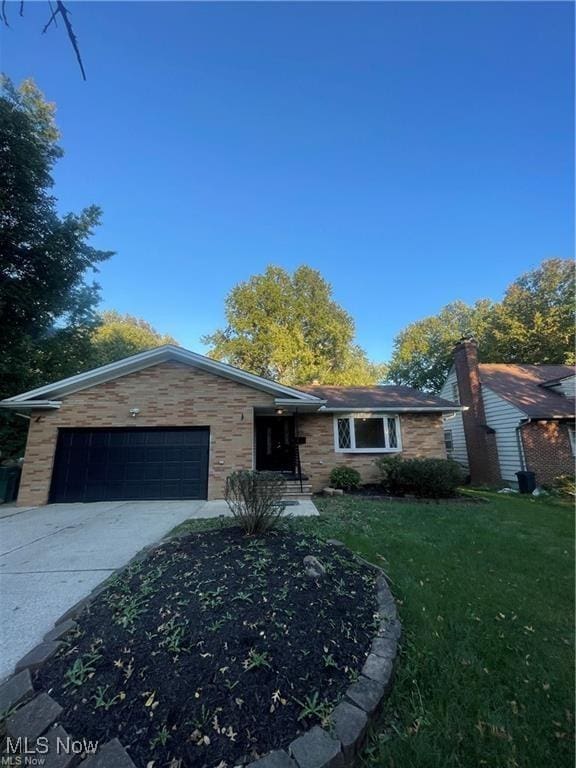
(275, 443)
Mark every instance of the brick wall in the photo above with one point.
(483, 459)
(167, 394)
(422, 435)
(547, 450)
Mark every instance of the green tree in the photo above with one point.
(47, 305)
(422, 352)
(289, 328)
(119, 336)
(534, 323)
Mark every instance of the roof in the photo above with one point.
(383, 397)
(307, 398)
(525, 387)
(47, 396)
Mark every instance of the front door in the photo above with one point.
(275, 443)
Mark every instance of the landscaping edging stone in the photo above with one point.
(337, 747)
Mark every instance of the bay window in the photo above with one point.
(368, 433)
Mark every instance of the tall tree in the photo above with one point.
(534, 323)
(47, 305)
(422, 351)
(289, 328)
(119, 336)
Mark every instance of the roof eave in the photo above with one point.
(27, 405)
(153, 357)
(397, 409)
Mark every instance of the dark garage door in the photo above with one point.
(123, 464)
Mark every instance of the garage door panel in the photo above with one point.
(126, 464)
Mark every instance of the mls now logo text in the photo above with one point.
(26, 752)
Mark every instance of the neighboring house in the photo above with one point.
(516, 417)
(171, 424)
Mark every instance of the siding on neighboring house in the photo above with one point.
(504, 418)
(454, 423)
(566, 387)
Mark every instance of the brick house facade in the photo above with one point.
(135, 416)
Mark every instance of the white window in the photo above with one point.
(367, 433)
(455, 393)
(449, 442)
(572, 436)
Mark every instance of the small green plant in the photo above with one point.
(161, 738)
(346, 478)
(312, 707)
(82, 669)
(256, 660)
(102, 701)
(328, 660)
(564, 485)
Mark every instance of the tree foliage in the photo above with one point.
(119, 336)
(47, 305)
(534, 323)
(289, 328)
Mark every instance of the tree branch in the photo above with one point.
(3, 13)
(64, 13)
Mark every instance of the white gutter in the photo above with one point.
(31, 404)
(399, 409)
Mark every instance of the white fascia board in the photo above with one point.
(300, 405)
(152, 357)
(31, 404)
(398, 409)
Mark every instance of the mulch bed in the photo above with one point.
(216, 648)
(375, 492)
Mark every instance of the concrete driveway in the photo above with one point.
(51, 557)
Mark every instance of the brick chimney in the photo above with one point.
(480, 439)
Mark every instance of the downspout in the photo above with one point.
(521, 453)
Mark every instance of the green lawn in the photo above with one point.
(486, 596)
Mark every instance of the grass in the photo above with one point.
(486, 596)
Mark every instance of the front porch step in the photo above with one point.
(293, 491)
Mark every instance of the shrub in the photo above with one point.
(425, 478)
(255, 499)
(345, 478)
(564, 485)
(390, 472)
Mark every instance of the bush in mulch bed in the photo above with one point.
(215, 648)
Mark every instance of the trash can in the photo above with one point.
(9, 483)
(526, 481)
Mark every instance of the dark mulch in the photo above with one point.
(209, 650)
(376, 492)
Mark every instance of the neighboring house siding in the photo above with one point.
(454, 423)
(504, 418)
(422, 435)
(167, 394)
(566, 387)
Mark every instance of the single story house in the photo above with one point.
(172, 424)
(516, 417)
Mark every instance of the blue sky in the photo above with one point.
(414, 153)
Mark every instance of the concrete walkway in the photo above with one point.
(51, 557)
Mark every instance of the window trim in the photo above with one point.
(369, 415)
(572, 438)
(449, 451)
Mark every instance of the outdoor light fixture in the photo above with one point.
(134, 412)
(279, 411)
